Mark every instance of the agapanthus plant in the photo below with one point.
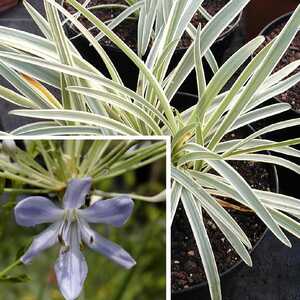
(70, 228)
(45, 166)
(71, 171)
(99, 104)
(85, 91)
(151, 17)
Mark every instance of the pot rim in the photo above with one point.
(8, 5)
(240, 261)
(268, 29)
(231, 28)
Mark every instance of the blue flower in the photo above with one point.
(70, 228)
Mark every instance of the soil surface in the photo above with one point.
(186, 266)
(292, 96)
(127, 30)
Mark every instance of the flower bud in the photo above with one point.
(9, 147)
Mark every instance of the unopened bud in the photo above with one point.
(9, 147)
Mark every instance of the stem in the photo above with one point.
(11, 176)
(161, 197)
(111, 157)
(26, 191)
(115, 173)
(13, 265)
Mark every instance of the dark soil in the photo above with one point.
(127, 30)
(292, 96)
(186, 266)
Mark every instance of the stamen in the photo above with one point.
(61, 233)
(82, 246)
(73, 215)
(65, 249)
(60, 239)
(88, 200)
(91, 239)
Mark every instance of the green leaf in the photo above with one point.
(78, 116)
(213, 208)
(15, 279)
(193, 210)
(245, 191)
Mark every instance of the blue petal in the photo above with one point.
(76, 192)
(105, 247)
(42, 242)
(115, 211)
(71, 268)
(36, 210)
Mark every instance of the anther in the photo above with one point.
(65, 249)
(91, 239)
(60, 239)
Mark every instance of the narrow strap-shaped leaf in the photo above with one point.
(286, 222)
(194, 214)
(23, 87)
(279, 201)
(271, 159)
(104, 96)
(39, 20)
(261, 145)
(182, 136)
(223, 75)
(45, 95)
(57, 130)
(260, 114)
(271, 128)
(132, 56)
(270, 61)
(272, 201)
(280, 147)
(231, 236)
(265, 94)
(199, 155)
(175, 198)
(78, 116)
(209, 35)
(281, 74)
(237, 245)
(209, 56)
(26, 67)
(15, 98)
(121, 17)
(146, 30)
(65, 54)
(107, 61)
(200, 75)
(243, 188)
(209, 203)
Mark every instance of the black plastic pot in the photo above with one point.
(269, 28)
(182, 101)
(288, 179)
(129, 72)
(126, 68)
(7, 4)
(201, 291)
(219, 48)
(259, 13)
